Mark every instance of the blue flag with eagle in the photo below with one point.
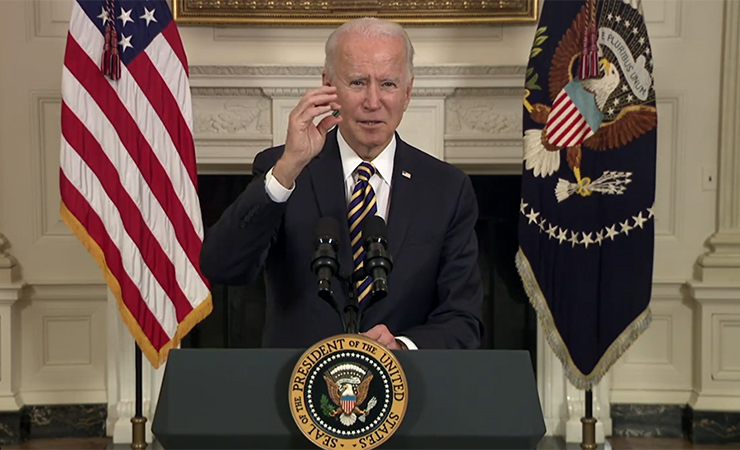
(586, 228)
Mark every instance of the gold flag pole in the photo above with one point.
(138, 430)
(588, 436)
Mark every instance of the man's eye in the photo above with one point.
(357, 83)
(389, 84)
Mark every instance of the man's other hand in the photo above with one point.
(381, 334)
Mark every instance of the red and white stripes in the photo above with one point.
(129, 184)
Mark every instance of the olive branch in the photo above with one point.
(531, 77)
(326, 407)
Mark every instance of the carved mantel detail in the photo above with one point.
(475, 111)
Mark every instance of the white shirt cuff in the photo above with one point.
(409, 343)
(276, 191)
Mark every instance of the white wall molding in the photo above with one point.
(663, 18)
(663, 352)
(651, 397)
(63, 344)
(45, 120)
(722, 263)
(47, 19)
(66, 291)
(10, 292)
(716, 290)
(244, 73)
(670, 166)
(717, 360)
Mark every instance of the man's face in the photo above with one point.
(371, 77)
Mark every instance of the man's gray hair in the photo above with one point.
(369, 27)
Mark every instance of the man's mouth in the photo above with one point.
(370, 122)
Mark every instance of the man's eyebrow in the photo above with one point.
(367, 77)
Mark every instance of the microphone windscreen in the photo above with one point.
(374, 227)
(327, 227)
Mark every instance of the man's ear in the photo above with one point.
(409, 88)
(325, 81)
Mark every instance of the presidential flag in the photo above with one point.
(586, 227)
(128, 176)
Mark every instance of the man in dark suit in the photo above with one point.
(434, 289)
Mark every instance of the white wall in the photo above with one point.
(62, 313)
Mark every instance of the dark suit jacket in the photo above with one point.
(435, 293)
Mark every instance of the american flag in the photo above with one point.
(128, 178)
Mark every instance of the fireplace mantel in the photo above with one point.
(473, 112)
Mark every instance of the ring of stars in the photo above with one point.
(585, 238)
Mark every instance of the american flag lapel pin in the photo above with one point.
(406, 174)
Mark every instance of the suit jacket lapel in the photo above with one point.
(404, 197)
(326, 176)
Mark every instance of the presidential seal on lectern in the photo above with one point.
(348, 391)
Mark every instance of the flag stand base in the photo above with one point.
(138, 432)
(588, 441)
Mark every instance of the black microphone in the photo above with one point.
(324, 263)
(378, 262)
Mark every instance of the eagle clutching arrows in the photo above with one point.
(348, 400)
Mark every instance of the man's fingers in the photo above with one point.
(394, 345)
(318, 100)
(304, 115)
(373, 333)
(327, 123)
(316, 111)
(388, 340)
(313, 99)
(382, 334)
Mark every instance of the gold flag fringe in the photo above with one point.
(156, 358)
(611, 355)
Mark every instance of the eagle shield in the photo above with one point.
(348, 400)
(348, 385)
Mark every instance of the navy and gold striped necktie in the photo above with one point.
(361, 204)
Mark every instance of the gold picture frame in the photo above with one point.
(332, 13)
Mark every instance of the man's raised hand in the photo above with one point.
(306, 139)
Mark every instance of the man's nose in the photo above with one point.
(372, 97)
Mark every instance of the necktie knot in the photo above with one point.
(365, 171)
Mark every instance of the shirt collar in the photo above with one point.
(383, 162)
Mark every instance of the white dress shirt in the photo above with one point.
(380, 181)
